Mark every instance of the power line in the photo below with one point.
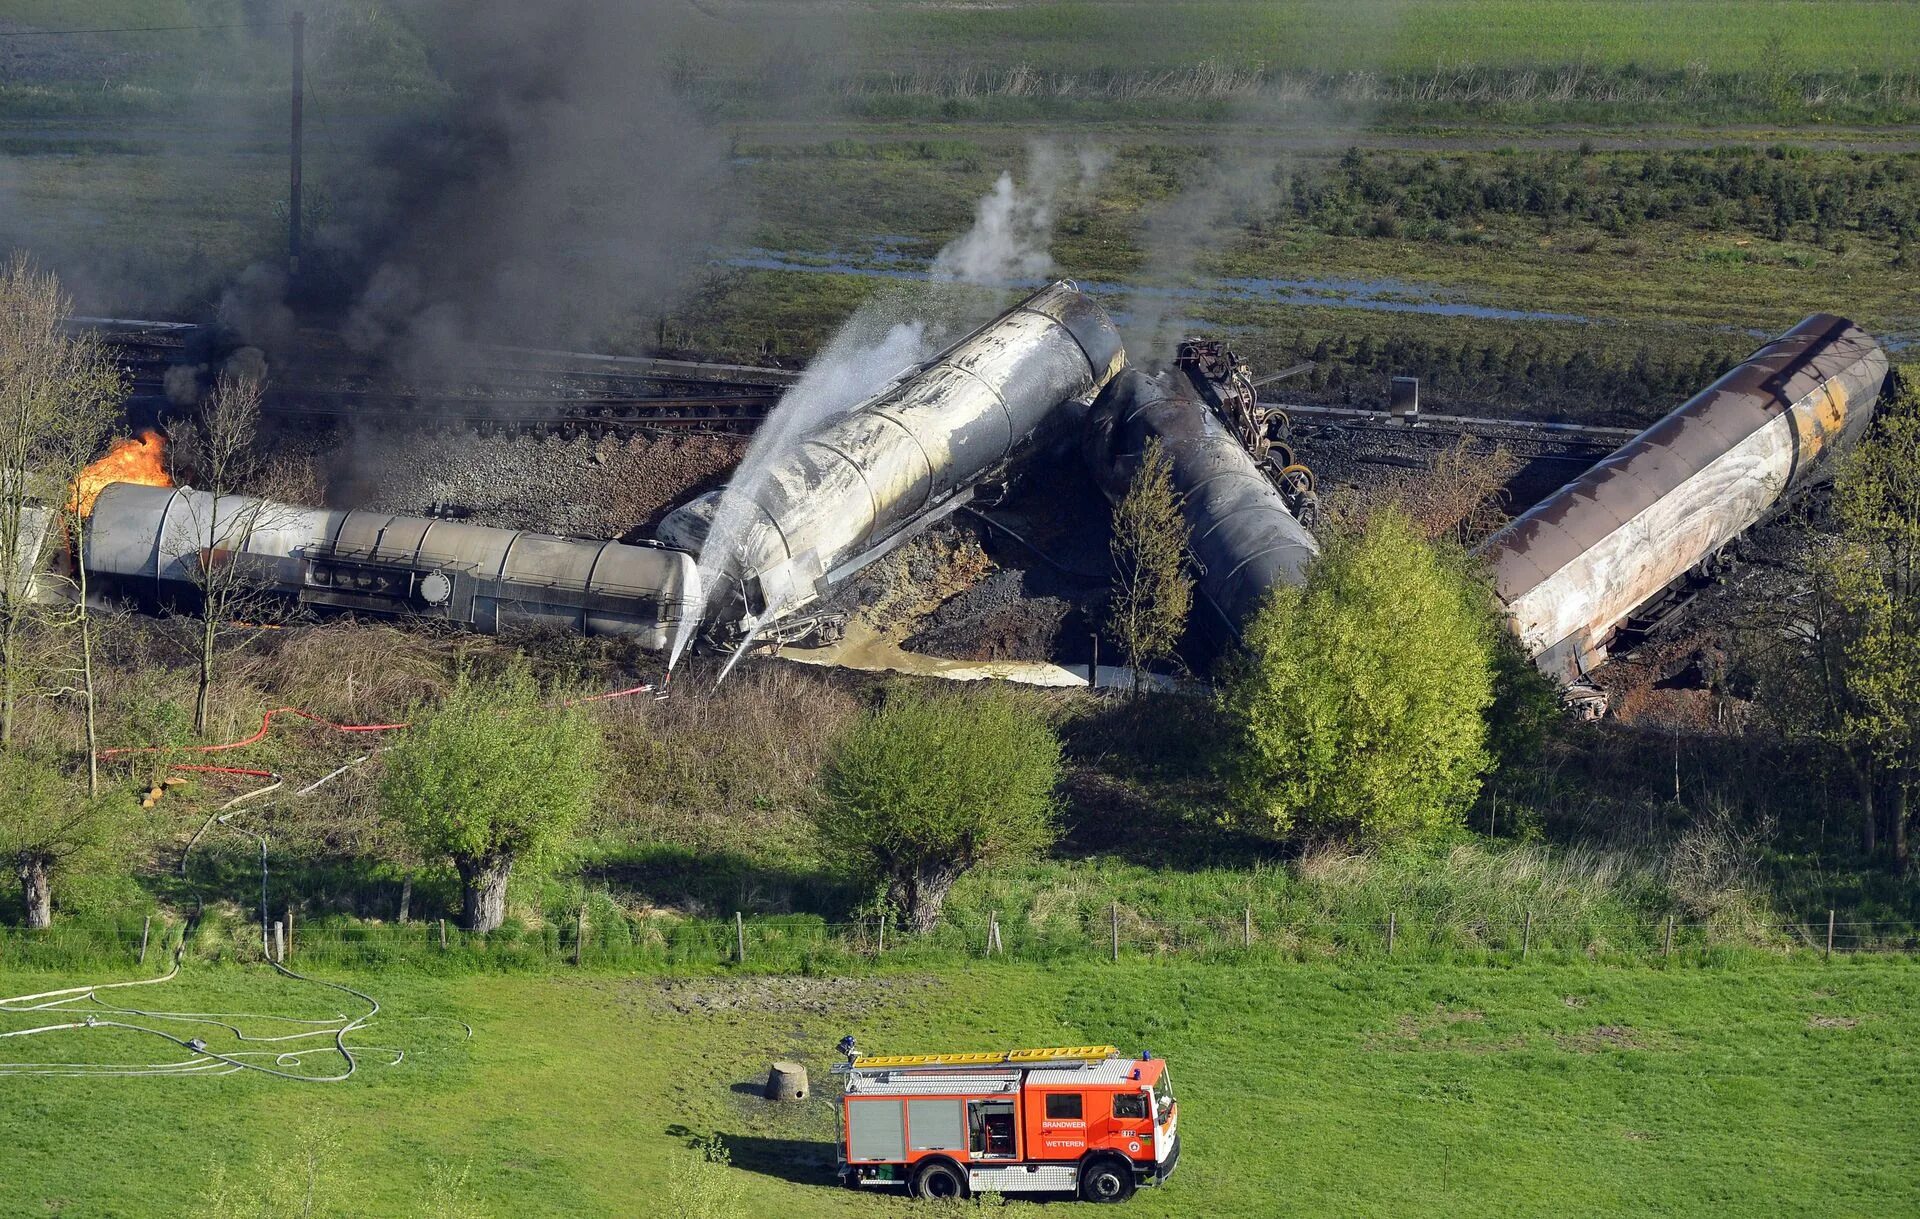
(145, 29)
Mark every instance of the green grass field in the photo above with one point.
(1292, 62)
(1138, 37)
(1399, 35)
(1765, 1089)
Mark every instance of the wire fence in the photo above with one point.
(803, 944)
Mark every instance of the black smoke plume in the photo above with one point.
(561, 184)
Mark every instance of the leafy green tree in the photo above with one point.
(1526, 710)
(492, 777)
(1360, 705)
(51, 828)
(931, 785)
(1152, 592)
(1872, 578)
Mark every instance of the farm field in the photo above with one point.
(824, 226)
(1762, 1088)
(1216, 43)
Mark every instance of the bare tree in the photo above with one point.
(59, 396)
(97, 406)
(219, 446)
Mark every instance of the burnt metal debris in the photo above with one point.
(1636, 529)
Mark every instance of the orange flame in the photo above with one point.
(141, 459)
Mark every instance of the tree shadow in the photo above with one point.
(719, 882)
(1142, 786)
(227, 869)
(1644, 788)
(800, 1161)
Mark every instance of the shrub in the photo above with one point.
(491, 777)
(930, 785)
(1360, 704)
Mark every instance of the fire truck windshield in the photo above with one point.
(1163, 1095)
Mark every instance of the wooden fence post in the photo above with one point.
(1393, 925)
(1666, 945)
(443, 935)
(579, 932)
(740, 936)
(1113, 924)
(289, 949)
(279, 941)
(1246, 927)
(1526, 936)
(883, 935)
(1829, 955)
(145, 928)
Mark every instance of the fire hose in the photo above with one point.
(283, 1060)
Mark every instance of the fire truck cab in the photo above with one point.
(1071, 1119)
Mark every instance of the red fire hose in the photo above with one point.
(266, 723)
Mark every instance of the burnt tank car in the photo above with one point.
(1245, 537)
(1626, 534)
(872, 476)
(150, 544)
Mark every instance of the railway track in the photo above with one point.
(571, 392)
(565, 415)
(515, 389)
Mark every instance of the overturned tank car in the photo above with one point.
(154, 545)
(1627, 542)
(1241, 492)
(872, 477)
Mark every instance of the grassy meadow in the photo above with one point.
(1392, 35)
(1548, 1090)
(1111, 58)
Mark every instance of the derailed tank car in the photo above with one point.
(149, 543)
(1246, 539)
(870, 477)
(1625, 535)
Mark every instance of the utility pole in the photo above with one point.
(299, 51)
(265, 945)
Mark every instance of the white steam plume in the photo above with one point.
(1012, 234)
(870, 350)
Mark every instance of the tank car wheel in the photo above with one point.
(939, 1179)
(1106, 1180)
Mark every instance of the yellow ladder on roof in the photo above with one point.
(989, 1058)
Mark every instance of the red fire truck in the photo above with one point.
(1069, 1119)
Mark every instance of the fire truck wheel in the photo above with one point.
(1106, 1180)
(938, 1179)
